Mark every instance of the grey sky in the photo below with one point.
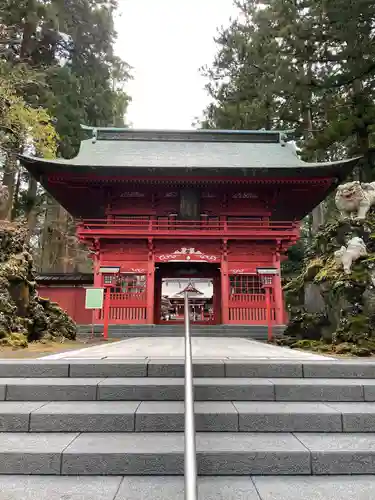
(166, 42)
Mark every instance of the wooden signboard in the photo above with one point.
(94, 298)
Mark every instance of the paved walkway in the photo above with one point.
(172, 488)
(203, 347)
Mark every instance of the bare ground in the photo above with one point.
(37, 349)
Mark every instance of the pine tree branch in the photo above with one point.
(344, 81)
(314, 84)
(10, 41)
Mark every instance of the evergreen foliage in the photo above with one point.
(308, 66)
(302, 65)
(57, 70)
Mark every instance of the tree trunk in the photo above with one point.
(318, 218)
(268, 123)
(9, 177)
(66, 261)
(56, 241)
(15, 196)
(317, 213)
(49, 237)
(364, 170)
(31, 209)
(29, 31)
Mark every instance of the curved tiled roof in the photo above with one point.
(182, 154)
(157, 156)
(117, 152)
(186, 149)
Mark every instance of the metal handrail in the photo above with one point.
(191, 490)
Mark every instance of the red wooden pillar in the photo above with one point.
(278, 292)
(217, 300)
(98, 281)
(157, 299)
(224, 285)
(107, 305)
(150, 290)
(268, 312)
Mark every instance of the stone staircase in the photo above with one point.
(254, 332)
(125, 417)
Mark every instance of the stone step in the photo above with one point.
(172, 487)
(163, 453)
(174, 367)
(172, 389)
(260, 336)
(254, 332)
(179, 326)
(162, 416)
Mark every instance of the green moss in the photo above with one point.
(313, 268)
(358, 324)
(295, 285)
(24, 316)
(306, 326)
(15, 339)
(329, 271)
(307, 344)
(360, 351)
(343, 348)
(325, 348)
(345, 320)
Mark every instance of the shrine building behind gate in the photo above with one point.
(156, 206)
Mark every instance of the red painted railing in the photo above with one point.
(207, 229)
(126, 308)
(250, 315)
(128, 297)
(250, 309)
(253, 298)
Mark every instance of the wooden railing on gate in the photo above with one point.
(250, 309)
(169, 228)
(126, 308)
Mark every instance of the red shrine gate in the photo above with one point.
(157, 205)
(238, 294)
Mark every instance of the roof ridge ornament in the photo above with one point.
(287, 136)
(190, 288)
(93, 130)
(94, 135)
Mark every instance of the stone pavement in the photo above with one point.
(203, 347)
(172, 488)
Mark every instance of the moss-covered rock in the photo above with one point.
(24, 316)
(344, 348)
(15, 340)
(345, 316)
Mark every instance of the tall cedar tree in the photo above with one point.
(306, 65)
(68, 46)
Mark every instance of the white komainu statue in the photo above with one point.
(355, 249)
(354, 199)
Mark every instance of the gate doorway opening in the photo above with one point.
(205, 302)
